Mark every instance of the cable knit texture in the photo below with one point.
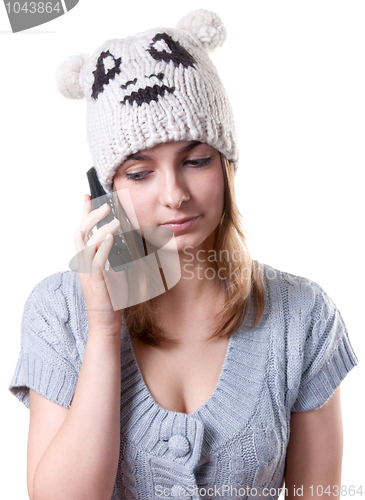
(293, 361)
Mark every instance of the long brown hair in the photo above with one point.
(242, 291)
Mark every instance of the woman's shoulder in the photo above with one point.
(53, 339)
(299, 294)
(271, 273)
(56, 295)
(61, 283)
(62, 280)
(54, 315)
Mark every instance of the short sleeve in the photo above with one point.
(327, 354)
(47, 362)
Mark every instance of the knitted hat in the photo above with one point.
(151, 88)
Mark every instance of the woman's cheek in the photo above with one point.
(211, 188)
(143, 208)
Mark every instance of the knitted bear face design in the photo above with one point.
(163, 48)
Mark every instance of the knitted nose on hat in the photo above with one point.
(151, 88)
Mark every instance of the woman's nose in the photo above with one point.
(173, 190)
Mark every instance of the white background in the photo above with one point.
(295, 75)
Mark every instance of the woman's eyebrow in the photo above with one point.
(189, 147)
(144, 157)
(138, 156)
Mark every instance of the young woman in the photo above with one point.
(225, 385)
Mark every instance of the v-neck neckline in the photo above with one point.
(231, 406)
(206, 404)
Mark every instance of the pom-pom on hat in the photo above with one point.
(154, 87)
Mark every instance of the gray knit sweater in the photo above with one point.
(233, 444)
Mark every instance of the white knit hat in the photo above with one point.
(154, 87)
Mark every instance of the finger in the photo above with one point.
(80, 234)
(79, 240)
(90, 219)
(86, 257)
(101, 233)
(86, 209)
(98, 263)
(93, 217)
(87, 252)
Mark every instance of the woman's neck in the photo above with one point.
(198, 287)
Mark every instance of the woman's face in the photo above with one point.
(158, 179)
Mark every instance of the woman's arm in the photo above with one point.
(314, 454)
(73, 454)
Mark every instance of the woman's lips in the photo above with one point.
(183, 225)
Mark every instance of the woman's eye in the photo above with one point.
(140, 176)
(137, 176)
(199, 163)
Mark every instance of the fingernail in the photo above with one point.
(103, 207)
